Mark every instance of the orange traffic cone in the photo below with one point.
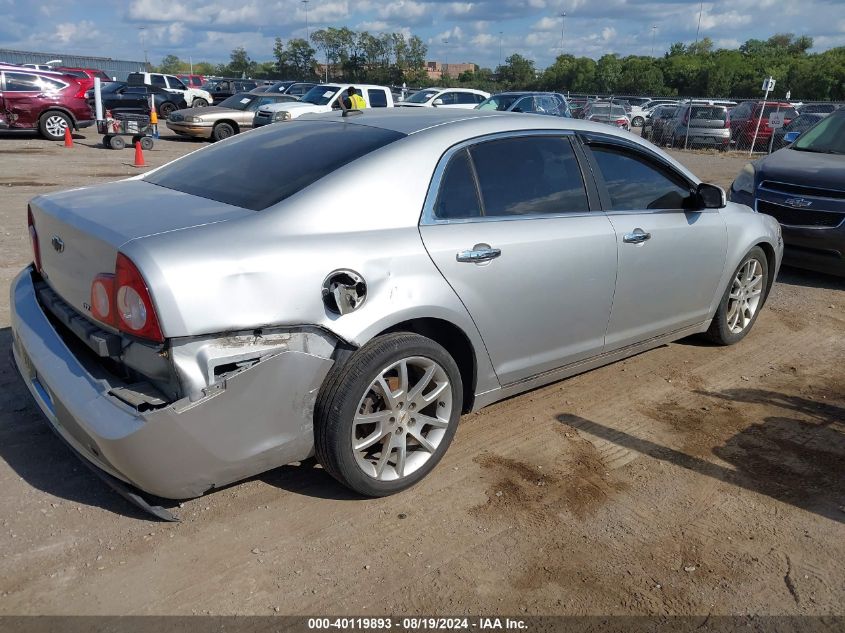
(68, 138)
(139, 155)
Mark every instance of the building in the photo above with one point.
(436, 70)
(116, 68)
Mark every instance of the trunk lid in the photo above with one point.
(80, 231)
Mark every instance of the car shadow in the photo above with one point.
(39, 457)
(799, 277)
(796, 458)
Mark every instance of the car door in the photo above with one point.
(23, 99)
(511, 224)
(671, 254)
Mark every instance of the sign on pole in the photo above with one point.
(788, 95)
(768, 85)
(776, 120)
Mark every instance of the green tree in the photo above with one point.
(517, 72)
(171, 65)
(608, 73)
(240, 64)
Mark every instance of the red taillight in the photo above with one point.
(621, 122)
(123, 301)
(33, 237)
(81, 89)
(132, 301)
(727, 120)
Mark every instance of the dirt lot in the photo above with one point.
(687, 480)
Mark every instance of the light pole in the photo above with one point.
(144, 46)
(446, 60)
(501, 33)
(653, 32)
(562, 29)
(307, 34)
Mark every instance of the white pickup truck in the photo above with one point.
(194, 97)
(322, 98)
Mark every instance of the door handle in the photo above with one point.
(638, 236)
(478, 254)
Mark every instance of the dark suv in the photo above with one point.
(224, 88)
(803, 187)
(50, 102)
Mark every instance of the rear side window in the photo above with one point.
(22, 82)
(259, 169)
(52, 84)
(529, 175)
(158, 81)
(378, 99)
(635, 184)
(458, 197)
(465, 98)
(103, 76)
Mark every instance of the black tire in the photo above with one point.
(638, 121)
(146, 143)
(222, 131)
(107, 141)
(720, 331)
(166, 109)
(52, 125)
(342, 393)
(117, 142)
(199, 102)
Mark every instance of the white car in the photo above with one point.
(320, 99)
(465, 98)
(194, 97)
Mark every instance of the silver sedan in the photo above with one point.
(348, 286)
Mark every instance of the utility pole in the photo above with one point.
(653, 32)
(562, 29)
(307, 33)
(445, 71)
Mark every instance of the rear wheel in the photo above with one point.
(199, 102)
(222, 131)
(385, 418)
(146, 143)
(117, 142)
(638, 121)
(52, 125)
(742, 300)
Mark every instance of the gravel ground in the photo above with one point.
(686, 480)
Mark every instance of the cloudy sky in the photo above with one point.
(210, 29)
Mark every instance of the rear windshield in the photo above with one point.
(709, 113)
(789, 113)
(257, 170)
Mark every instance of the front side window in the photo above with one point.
(176, 84)
(529, 175)
(21, 82)
(498, 102)
(636, 184)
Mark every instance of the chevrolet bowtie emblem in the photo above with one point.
(799, 203)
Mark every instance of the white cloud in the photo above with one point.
(77, 33)
(404, 10)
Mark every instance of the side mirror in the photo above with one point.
(437, 102)
(711, 197)
(791, 137)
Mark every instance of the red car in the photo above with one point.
(745, 117)
(192, 81)
(50, 102)
(87, 75)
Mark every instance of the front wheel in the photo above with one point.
(742, 300)
(199, 103)
(638, 121)
(166, 109)
(222, 131)
(384, 418)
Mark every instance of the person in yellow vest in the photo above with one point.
(353, 101)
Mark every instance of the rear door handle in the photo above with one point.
(637, 236)
(478, 254)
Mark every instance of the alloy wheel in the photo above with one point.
(745, 295)
(402, 418)
(56, 125)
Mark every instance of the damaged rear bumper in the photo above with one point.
(251, 421)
